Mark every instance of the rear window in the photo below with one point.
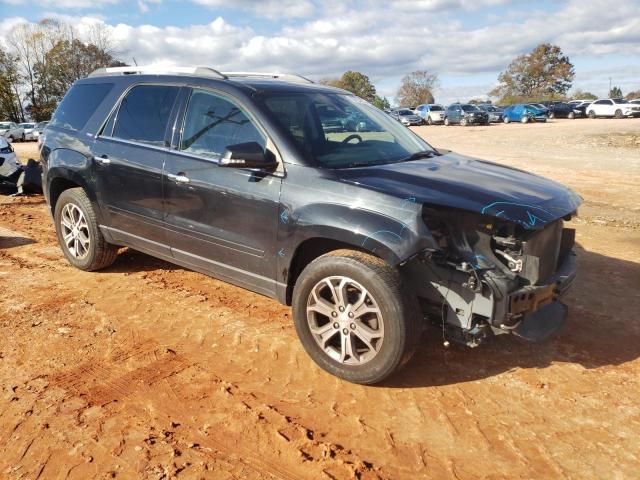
(78, 105)
(144, 113)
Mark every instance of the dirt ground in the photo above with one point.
(146, 370)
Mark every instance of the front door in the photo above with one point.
(221, 220)
(129, 155)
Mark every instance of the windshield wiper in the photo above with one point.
(419, 155)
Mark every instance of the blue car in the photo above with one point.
(523, 113)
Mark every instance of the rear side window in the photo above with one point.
(144, 113)
(78, 105)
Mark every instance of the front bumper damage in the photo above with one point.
(479, 299)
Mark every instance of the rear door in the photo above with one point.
(221, 220)
(129, 156)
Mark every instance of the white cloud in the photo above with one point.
(267, 8)
(386, 40)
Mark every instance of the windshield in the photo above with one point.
(436, 108)
(405, 111)
(5, 125)
(27, 125)
(335, 130)
(619, 100)
(470, 108)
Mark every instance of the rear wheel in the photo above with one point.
(524, 119)
(354, 316)
(618, 114)
(446, 121)
(552, 115)
(464, 122)
(571, 116)
(80, 238)
(506, 119)
(592, 114)
(429, 121)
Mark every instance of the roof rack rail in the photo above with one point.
(200, 71)
(292, 77)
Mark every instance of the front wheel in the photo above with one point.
(506, 119)
(78, 234)
(429, 121)
(552, 115)
(592, 114)
(446, 122)
(524, 119)
(571, 116)
(355, 317)
(464, 122)
(618, 114)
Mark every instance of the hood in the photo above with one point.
(464, 183)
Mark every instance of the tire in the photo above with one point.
(90, 250)
(23, 139)
(446, 121)
(429, 121)
(524, 119)
(592, 114)
(393, 310)
(618, 114)
(571, 116)
(464, 122)
(552, 115)
(11, 139)
(506, 120)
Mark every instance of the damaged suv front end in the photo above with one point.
(495, 275)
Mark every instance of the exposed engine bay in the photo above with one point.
(491, 276)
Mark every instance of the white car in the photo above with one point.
(635, 101)
(12, 131)
(29, 131)
(9, 164)
(430, 113)
(613, 107)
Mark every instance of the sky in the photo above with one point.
(466, 42)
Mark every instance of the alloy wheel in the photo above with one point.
(75, 231)
(345, 320)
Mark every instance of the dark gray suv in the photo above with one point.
(365, 233)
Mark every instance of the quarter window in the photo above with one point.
(212, 123)
(79, 104)
(144, 113)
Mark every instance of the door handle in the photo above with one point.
(102, 160)
(179, 178)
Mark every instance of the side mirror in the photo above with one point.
(247, 155)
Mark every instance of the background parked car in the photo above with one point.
(523, 113)
(495, 113)
(29, 130)
(12, 131)
(581, 107)
(613, 107)
(406, 117)
(431, 113)
(540, 107)
(561, 110)
(635, 101)
(465, 114)
(40, 128)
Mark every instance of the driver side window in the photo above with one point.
(212, 123)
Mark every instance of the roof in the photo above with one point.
(257, 81)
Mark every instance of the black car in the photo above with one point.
(495, 113)
(561, 110)
(365, 234)
(465, 114)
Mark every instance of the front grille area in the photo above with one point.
(544, 251)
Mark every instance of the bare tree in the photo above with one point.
(417, 88)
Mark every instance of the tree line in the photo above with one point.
(41, 61)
